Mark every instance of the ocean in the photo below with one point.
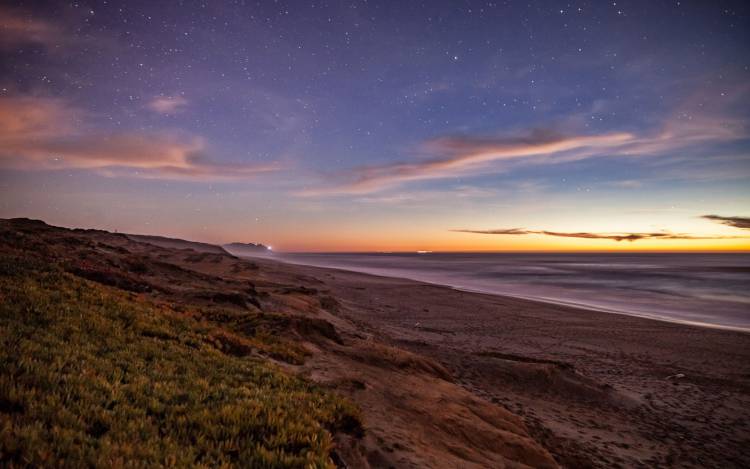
(704, 289)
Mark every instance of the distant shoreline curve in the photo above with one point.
(547, 300)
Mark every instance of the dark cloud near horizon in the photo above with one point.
(737, 222)
(586, 235)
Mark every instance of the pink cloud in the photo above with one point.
(18, 29)
(167, 104)
(702, 119)
(38, 133)
(469, 155)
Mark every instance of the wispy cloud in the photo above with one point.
(465, 154)
(628, 184)
(737, 222)
(660, 235)
(19, 29)
(167, 104)
(702, 121)
(499, 231)
(40, 133)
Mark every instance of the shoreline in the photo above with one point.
(542, 300)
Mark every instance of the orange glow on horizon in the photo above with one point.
(458, 242)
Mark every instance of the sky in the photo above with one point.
(382, 125)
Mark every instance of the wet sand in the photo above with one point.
(595, 389)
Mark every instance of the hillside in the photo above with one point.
(97, 370)
(120, 352)
(174, 243)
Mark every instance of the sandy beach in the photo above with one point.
(595, 389)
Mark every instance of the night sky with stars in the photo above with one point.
(382, 125)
